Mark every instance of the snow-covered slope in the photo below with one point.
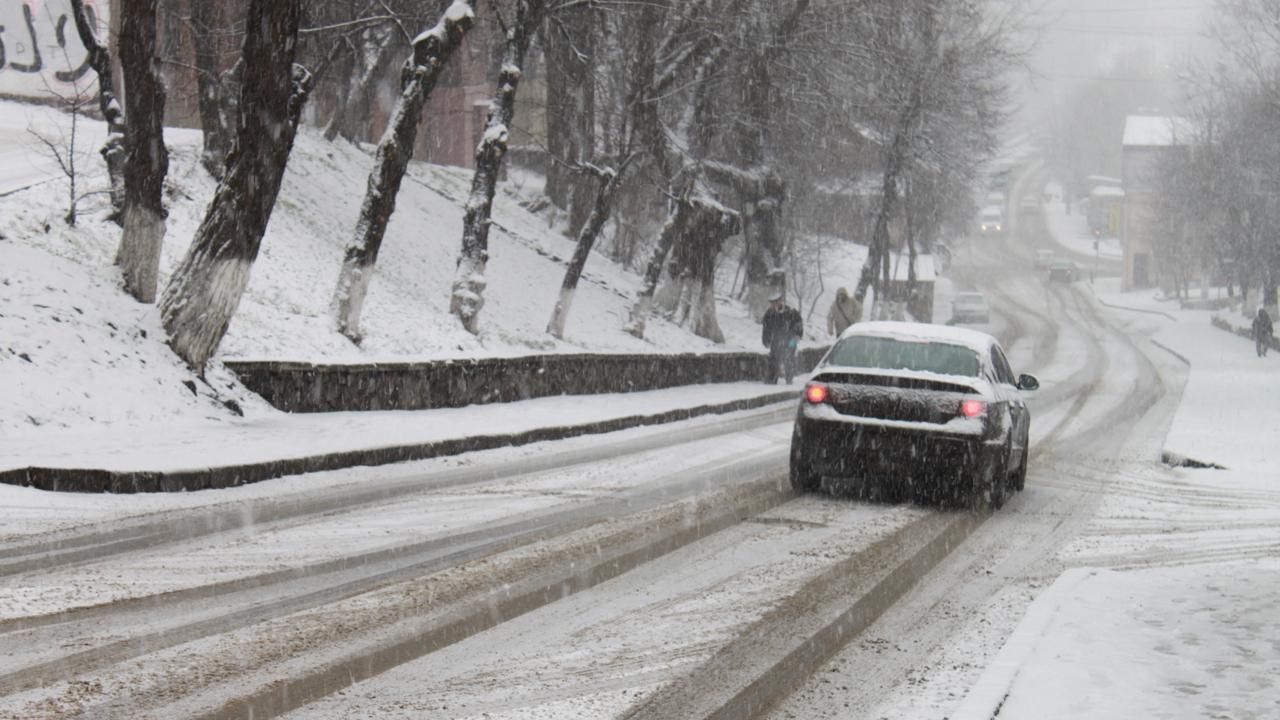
(83, 370)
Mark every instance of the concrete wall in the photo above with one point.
(42, 53)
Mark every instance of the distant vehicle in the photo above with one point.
(1029, 204)
(1044, 259)
(995, 198)
(1063, 271)
(925, 412)
(991, 221)
(970, 307)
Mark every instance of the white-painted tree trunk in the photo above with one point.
(561, 312)
(199, 319)
(139, 255)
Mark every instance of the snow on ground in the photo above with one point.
(76, 353)
(201, 444)
(1071, 230)
(1171, 612)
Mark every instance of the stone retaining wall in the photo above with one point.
(305, 387)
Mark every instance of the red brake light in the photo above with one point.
(973, 408)
(815, 393)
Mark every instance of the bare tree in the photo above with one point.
(206, 288)
(610, 180)
(569, 46)
(146, 159)
(216, 78)
(63, 149)
(113, 150)
(469, 281)
(431, 50)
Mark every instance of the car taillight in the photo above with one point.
(973, 408)
(815, 393)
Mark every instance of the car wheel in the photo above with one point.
(1019, 479)
(803, 479)
(990, 484)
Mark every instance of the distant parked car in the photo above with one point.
(970, 307)
(925, 412)
(1029, 204)
(1044, 259)
(1063, 271)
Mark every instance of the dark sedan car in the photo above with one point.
(1063, 271)
(929, 412)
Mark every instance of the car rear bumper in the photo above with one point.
(853, 449)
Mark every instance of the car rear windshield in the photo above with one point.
(970, 300)
(887, 353)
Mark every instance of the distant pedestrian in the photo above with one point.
(845, 311)
(783, 327)
(1262, 331)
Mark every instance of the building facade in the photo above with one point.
(1147, 141)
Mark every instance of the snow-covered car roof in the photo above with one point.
(975, 340)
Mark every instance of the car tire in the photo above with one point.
(803, 478)
(1019, 479)
(990, 483)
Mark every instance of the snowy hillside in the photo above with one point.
(73, 347)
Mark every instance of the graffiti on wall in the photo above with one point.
(40, 51)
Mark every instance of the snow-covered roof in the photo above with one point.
(1155, 131)
(979, 342)
(1106, 191)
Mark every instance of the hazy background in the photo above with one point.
(1095, 61)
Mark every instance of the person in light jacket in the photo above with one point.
(845, 311)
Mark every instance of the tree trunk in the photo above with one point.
(610, 180)
(209, 21)
(569, 51)
(345, 81)
(146, 159)
(765, 260)
(431, 50)
(113, 150)
(878, 255)
(351, 120)
(673, 228)
(205, 290)
(469, 280)
(697, 229)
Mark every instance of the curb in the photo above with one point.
(1171, 351)
(1106, 304)
(125, 481)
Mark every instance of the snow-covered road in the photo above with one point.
(659, 572)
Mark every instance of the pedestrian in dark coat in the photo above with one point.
(783, 327)
(1262, 331)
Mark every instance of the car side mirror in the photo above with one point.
(1028, 382)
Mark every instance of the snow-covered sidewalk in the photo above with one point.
(1191, 634)
(219, 443)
